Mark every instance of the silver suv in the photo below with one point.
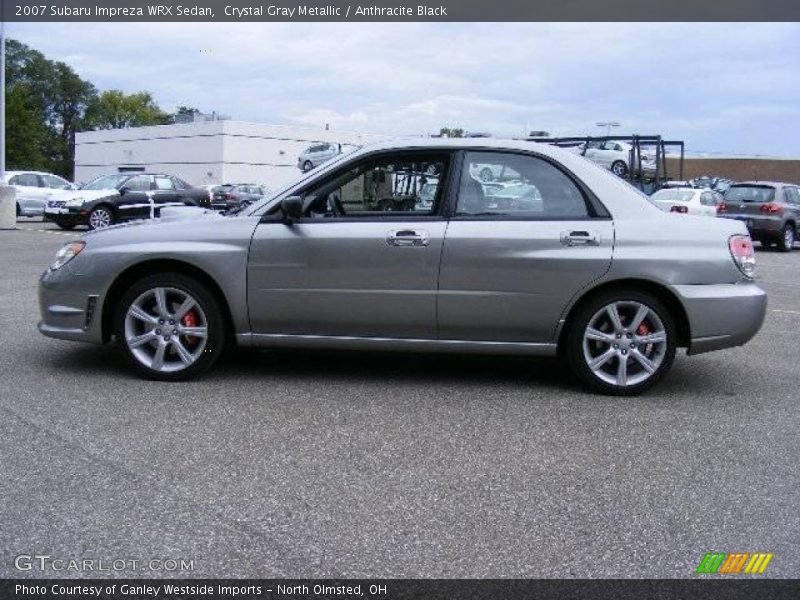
(315, 155)
(373, 252)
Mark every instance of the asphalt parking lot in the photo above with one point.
(302, 464)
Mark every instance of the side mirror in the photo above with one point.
(292, 209)
(123, 191)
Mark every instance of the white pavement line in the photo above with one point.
(788, 312)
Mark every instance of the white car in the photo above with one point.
(691, 201)
(617, 156)
(34, 189)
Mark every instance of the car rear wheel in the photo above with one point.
(619, 168)
(101, 217)
(786, 243)
(169, 327)
(621, 343)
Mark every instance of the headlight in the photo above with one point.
(67, 253)
(74, 202)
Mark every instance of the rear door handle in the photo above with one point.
(580, 238)
(407, 237)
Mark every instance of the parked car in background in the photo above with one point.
(675, 184)
(591, 273)
(616, 156)
(122, 197)
(315, 155)
(235, 196)
(691, 201)
(771, 211)
(722, 184)
(34, 188)
(703, 181)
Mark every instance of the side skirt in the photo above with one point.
(280, 340)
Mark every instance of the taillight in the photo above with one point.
(741, 247)
(770, 208)
(722, 207)
(679, 209)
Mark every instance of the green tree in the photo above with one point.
(114, 109)
(451, 132)
(26, 133)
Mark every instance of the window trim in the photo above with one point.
(274, 215)
(595, 208)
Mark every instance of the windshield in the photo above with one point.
(673, 195)
(106, 182)
(750, 193)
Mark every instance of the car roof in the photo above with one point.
(764, 183)
(12, 173)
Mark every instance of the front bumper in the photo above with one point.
(69, 306)
(66, 216)
(722, 315)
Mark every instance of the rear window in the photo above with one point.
(750, 193)
(673, 195)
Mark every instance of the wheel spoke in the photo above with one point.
(613, 314)
(622, 370)
(161, 301)
(137, 341)
(641, 313)
(599, 336)
(646, 363)
(185, 307)
(138, 312)
(652, 338)
(185, 355)
(200, 332)
(602, 359)
(158, 358)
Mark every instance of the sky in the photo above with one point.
(726, 89)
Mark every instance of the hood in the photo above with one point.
(87, 195)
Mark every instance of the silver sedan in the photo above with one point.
(351, 257)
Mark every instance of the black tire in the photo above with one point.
(619, 168)
(209, 306)
(66, 226)
(19, 210)
(574, 342)
(94, 217)
(786, 243)
(486, 174)
(307, 166)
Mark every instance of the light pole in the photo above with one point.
(608, 125)
(8, 203)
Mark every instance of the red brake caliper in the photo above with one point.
(189, 320)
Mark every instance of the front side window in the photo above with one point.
(106, 182)
(540, 191)
(394, 185)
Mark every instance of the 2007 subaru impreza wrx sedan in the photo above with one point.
(554, 256)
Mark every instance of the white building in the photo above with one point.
(204, 153)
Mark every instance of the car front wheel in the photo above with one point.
(619, 168)
(169, 327)
(101, 217)
(621, 343)
(307, 166)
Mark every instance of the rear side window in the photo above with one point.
(536, 190)
(792, 195)
(26, 179)
(750, 193)
(707, 199)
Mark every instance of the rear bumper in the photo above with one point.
(722, 315)
(759, 227)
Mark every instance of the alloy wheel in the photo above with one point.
(619, 169)
(100, 218)
(166, 329)
(625, 343)
(788, 237)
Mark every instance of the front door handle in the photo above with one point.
(580, 238)
(408, 237)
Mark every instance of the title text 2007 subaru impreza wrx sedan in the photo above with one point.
(350, 256)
